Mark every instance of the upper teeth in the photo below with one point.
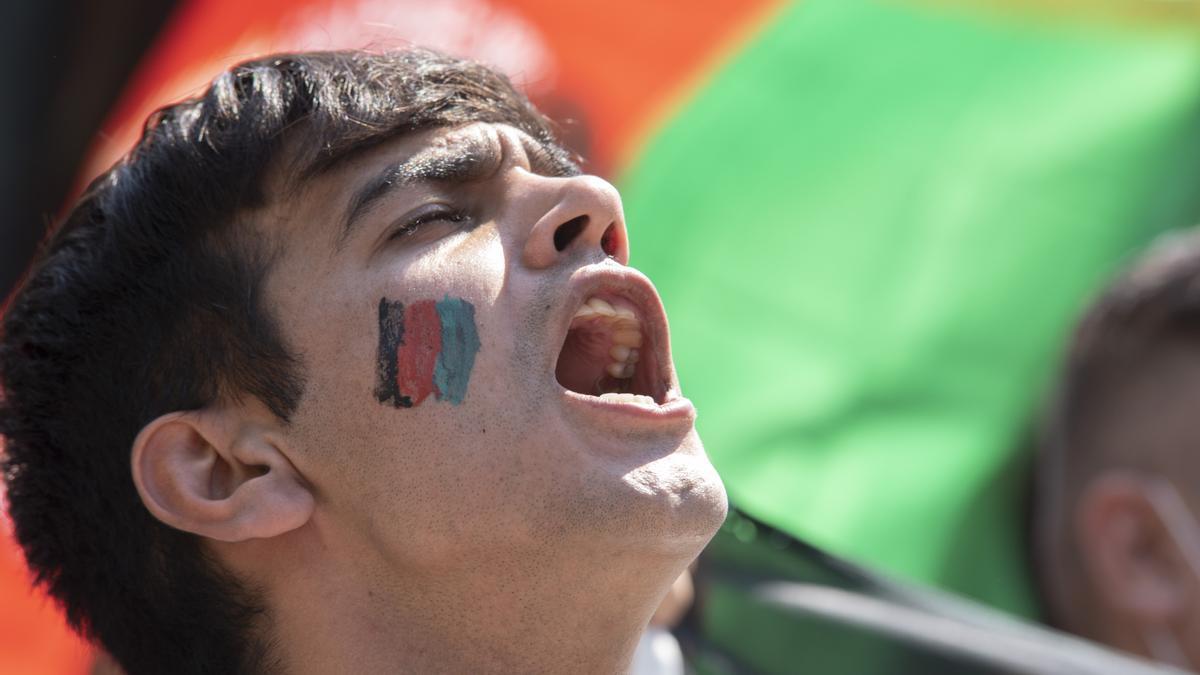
(626, 335)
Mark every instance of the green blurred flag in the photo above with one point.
(873, 227)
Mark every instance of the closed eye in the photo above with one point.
(437, 213)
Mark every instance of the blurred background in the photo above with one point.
(872, 223)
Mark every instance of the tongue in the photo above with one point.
(587, 361)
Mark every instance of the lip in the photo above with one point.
(612, 278)
(674, 409)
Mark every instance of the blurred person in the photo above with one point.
(343, 370)
(1118, 536)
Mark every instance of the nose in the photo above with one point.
(585, 218)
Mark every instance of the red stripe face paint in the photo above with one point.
(417, 354)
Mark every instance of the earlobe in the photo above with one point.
(218, 475)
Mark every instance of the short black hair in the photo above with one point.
(1122, 399)
(147, 299)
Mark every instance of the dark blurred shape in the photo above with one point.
(769, 603)
(62, 64)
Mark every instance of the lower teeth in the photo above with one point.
(627, 398)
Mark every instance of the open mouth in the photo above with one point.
(608, 354)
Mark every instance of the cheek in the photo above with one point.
(426, 351)
(428, 345)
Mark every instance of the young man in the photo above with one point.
(1118, 532)
(344, 370)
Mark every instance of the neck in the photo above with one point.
(511, 613)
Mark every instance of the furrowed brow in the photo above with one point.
(460, 161)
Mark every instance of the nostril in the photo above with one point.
(568, 231)
(608, 241)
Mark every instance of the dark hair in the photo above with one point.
(1141, 325)
(1122, 377)
(147, 300)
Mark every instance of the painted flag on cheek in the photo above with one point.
(416, 354)
(427, 347)
(460, 342)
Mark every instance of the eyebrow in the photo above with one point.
(460, 160)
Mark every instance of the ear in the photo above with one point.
(220, 473)
(1131, 552)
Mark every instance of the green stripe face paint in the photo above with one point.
(460, 342)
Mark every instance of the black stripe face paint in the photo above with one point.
(391, 336)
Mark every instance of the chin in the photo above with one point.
(681, 495)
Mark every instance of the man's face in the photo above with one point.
(460, 310)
